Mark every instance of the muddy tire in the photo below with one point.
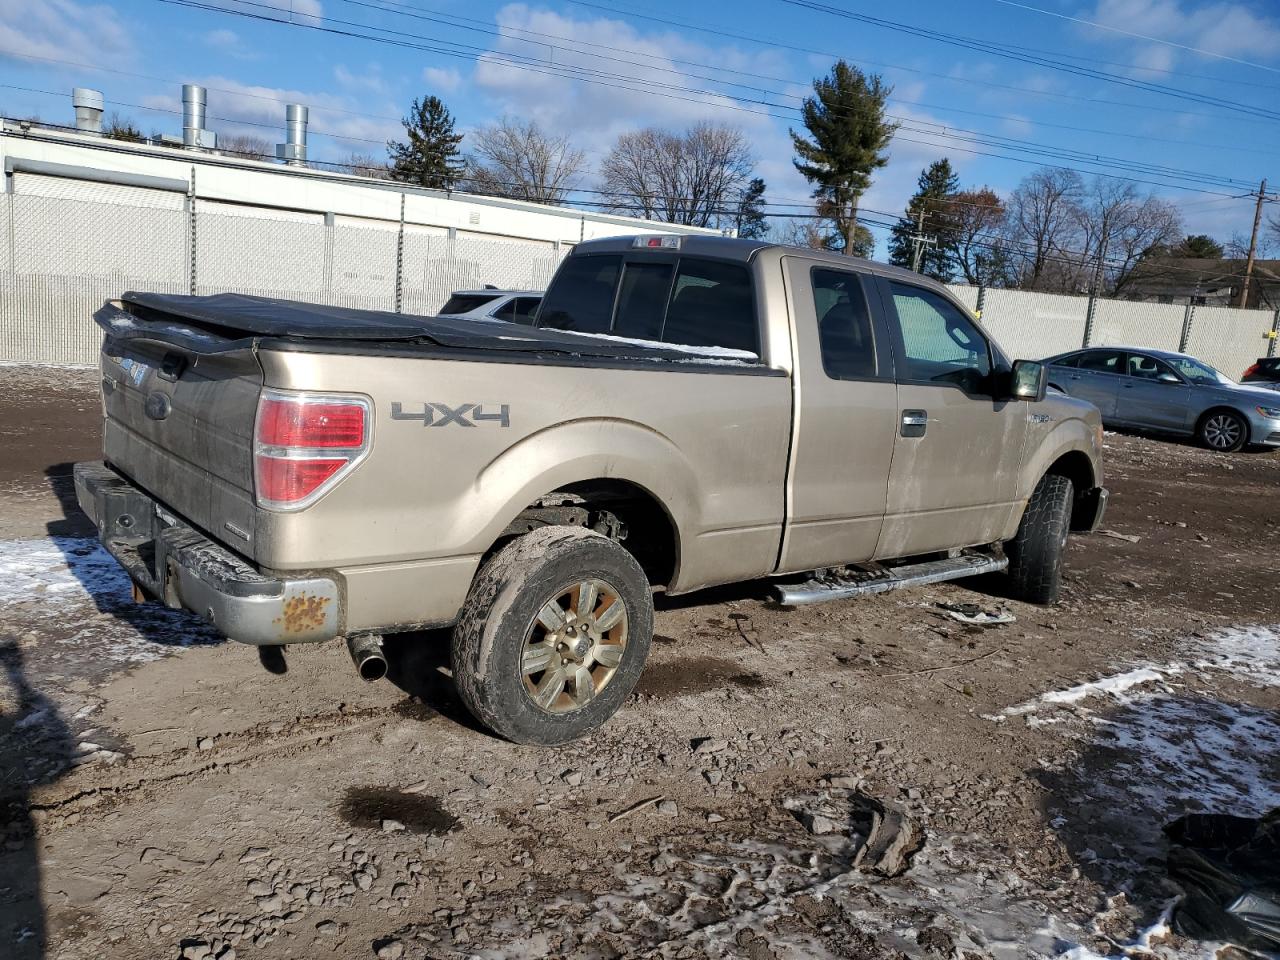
(1035, 553)
(553, 635)
(1223, 430)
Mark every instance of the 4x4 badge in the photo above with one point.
(441, 414)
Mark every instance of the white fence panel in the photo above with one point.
(1229, 338)
(1032, 326)
(1138, 324)
(965, 294)
(50, 319)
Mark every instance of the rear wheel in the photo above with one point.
(1035, 553)
(1224, 431)
(553, 635)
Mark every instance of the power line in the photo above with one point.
(742, 104)
(1138, 36)
(1011, 53)
(705, 28)
(396, 8)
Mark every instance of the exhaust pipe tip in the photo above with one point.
(367, 655)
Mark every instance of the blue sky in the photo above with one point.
(750, 67)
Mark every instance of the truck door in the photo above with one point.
(845, 405)
(957, 450)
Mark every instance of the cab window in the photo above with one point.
(581, 295)
(844, 325)
(939, 343)
(712, 305)
(642, 300)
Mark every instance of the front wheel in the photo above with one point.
(1224, 431)
(553, 635)
(1035, 553)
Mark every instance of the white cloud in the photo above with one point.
(594, 114)
(369, 80)
(230, 43)
(62, 30)
(443, 79)
(1225, 28)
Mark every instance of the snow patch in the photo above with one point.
(70, 592)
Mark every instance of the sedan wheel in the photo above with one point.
(1223, 431)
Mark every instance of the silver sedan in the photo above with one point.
(1168, 392)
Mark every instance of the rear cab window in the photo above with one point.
(466, 302)
(845, 333)
(682, 301)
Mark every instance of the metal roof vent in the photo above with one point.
(88, 104)
(194, 134)
(294, 150)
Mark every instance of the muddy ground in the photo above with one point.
(169, 795)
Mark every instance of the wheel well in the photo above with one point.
(1077, 468)
(1223, 409)
(620, 510)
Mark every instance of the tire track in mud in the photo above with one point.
(227, 753)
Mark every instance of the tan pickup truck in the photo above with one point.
(687, 411)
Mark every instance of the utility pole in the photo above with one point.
(1253, 245)
(920, 241)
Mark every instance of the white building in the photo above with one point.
(83, 218)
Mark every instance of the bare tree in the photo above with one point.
(690, 178)
(1042, 224)
(1137, 227)
(519, 160)
(365, 165)
(976, 220)
(246, 145)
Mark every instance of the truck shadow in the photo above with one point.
(103, 579)
(418, 664)
(1149, 762)
(36, 749)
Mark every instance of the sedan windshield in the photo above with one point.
(1197, 372)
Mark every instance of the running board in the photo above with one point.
(857, 583)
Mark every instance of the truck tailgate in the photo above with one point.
(179, 407)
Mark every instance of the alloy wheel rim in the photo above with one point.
(574, 646)
(1222, 431)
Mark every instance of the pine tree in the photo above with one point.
(750, 220)
(430, 158)
(937, 184)
(845, 118)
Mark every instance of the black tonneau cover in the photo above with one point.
(239, 316)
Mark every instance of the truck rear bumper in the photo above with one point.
(180, 567)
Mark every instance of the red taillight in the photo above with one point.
(1251, 371)
(304, 443)
(318, 423)
(282, 480)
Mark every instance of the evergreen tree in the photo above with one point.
(845, 118)
(937, 184)
(430, 157)
(750, 220)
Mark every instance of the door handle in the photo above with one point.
(914, 423)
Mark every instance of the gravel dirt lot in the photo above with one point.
(167, 795)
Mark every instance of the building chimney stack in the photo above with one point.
(194, 134)
(294, 150)
(88, 104)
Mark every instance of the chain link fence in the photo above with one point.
(62, 256)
